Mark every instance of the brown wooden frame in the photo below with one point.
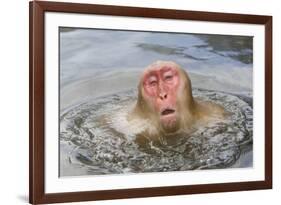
(37, 95)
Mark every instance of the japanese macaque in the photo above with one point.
(166, 103)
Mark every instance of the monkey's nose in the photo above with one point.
(163, 96)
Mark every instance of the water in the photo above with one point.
(99, 71)
(103, 142)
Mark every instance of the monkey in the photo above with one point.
(166, 104)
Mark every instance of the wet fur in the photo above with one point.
(193, 112)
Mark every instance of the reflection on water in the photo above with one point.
(179, 51)
(86, 53)
(236, 47)
(99, 72)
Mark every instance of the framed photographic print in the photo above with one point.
(139, 102)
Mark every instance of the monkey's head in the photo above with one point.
(165, 96)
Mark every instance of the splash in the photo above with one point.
(95, 138)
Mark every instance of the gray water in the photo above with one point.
(99, 71)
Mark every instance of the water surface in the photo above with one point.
(99, 72)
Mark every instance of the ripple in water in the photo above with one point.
(95, 138)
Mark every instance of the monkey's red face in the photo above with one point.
(160, 87)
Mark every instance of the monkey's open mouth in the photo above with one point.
(167, 111)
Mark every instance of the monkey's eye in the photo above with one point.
(168, 77)
(153, 83)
